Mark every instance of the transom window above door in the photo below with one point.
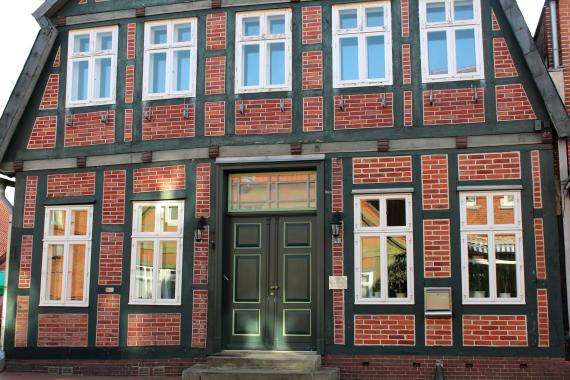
(280, 191)
(170, 59)
(263, 51)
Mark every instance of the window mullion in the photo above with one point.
(64, 274)
(384, 294)
(492, 268)
(155, 278)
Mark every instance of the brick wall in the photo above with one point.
(215, 75)
(108, 316)
(513, 103)
(168, 122)
(439, 332)
(203, 190)
(454, 106)
(408, 109)
(43, 133)
(114, 182)
(542, 315)
(57, 59)
(489, 166)
(21, 324)
(89, 129)
(539, 248)
(71, 185)
(129, 83)
(159, 179)
(200, 263)
(5, 213)
(312, 25)
(131, 40)
(384, 330)
(215, 119)
(363, 111)
(435, 182)
(216, 31)
(496, 27)
(504, 64)
(153, 329)
(406, 64)
(536, 180)
(337, 205)
(437, 248)
(405, 18)
(128, 131)
(25, 261)
(51, 93)
(382, 169)
(199, 318)
(62, 330)
(495, 330)
(313, 114)
(111, 258)
(312, 70)
(263, 116)
(30, 202)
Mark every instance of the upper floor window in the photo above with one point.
(92, 66)
(362, 44)
(263, 51)
(452, 46)
(66, 256)
(170, 59)
(492, 253)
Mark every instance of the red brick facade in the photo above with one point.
(71, 185)
(363, 111)
(264, 116)
(57, 59)
(543, 320)
(43, 133)
(405, 18)
(215, 75)
(62, 330)
(312, 25)
(408, 109)
(203, 190)
(536, 181)
(437, 248)
(216, 31)
(513, 103)
(111, 258)
(168, 122)
(128, 130)
(129, 83)
(507, 330)
(199, 318)
(313, 114)
(92, 128)
(382, 169)
(159, 179)
(51, 93)
(496, 27)
(30, 202)
(131, 40)
(108, 316)
(384, 330)
(215, 122)
(312, 70)
(338, 252)
(25, 261)
(489, 166)
(460, 106)
(406, 63)
(114, 183)
(21, 325)
(504, 64)
(153, 329)
(200, 265)
(439, 332)
(539, 248)
(435, 182)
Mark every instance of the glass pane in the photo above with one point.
(349, 58)
(170, 217)
(276, 24)
(251, 26)
(158, 35)
(54, 272)
(182, 64)
(277, 63)
(104, 41)
(103, 78)
(144, 270)
(395, 212)
(157, 75)
(183, 32)
(374, 17)
(478, 258)
(465, 51)
(81, 43)
(147, 219)
(292, 191)
(397, 267)
(376, 58)
(476, 210)
(506, 262)
(76, 272)
(80, 75)
(79, 222)
(370, 256)
(437, 53)
(370, 213)
(251, 65)
(463, 10)
(57, 222)
(435, 11)
(167, 274)
(348, 19)
(504, 209)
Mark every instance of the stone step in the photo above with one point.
(299, 361)
(202, 372)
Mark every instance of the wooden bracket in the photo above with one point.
(383, 145)
(18, 166)
(216, 4)
(81, 162)
(140, 12)
(147, 157)
(296, 148)
(461, 142)
(214, 151)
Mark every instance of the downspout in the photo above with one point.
(6, 202)
(554, 32)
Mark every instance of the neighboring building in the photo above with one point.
(198, 176)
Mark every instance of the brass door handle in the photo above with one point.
(273, 289)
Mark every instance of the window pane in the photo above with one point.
(158, 35)
(437, 53)
(144, 270)
(147, 219)
(54, 272)
(277, 24)
(463, 10)
(465, 51)
(504, 209)
(183, 32)
(376, 58)
(292, 192)
(349, 58)
(57, 222)
(80, 75)
(277, 63)
(251, 65)
(370, 254)
(435, 11)
(506, 261)
(103, 78)
(182, 64)
(348, 19)
(170, 219)
(76, 275)
(157, 73)
(370, 213)
(374, 17)
(397, 267)
(251, 26)
(478, 258)
(104, 41)
(476, 210)
(81, 43)
(79, 222)
(167, 275)
(396, 212)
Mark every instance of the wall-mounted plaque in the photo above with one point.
(338, 282)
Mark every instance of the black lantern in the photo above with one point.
(199, 230)
(335, 226)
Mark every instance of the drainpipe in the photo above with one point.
(565, 211)
(3, 184)
(554, 31)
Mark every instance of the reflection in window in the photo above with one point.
(478, 252)
(370, 253)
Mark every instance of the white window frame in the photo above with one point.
(361, 32)
(263, 40)
(157, 237)
(91, 56)
(450, 26)
(490, 229)
(170, 47)
(66, 240)
(383, 232)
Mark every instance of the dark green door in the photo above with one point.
(269, 290)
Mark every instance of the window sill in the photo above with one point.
(362, 84)
(169, 96)
(134, 303)
(453, 78)
(496, 303)
(262, 89)
(83, 304)
(90, 104)
(409, 302)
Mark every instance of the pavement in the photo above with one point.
(30, 376)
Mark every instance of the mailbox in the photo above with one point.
(437, 302)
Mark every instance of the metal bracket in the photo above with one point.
(431, 99)
(186, 111)
(282, 105)
(383, 102)
(105, 117)
(475, 94)
(148, 114)
(241, 107)
(341, 103)
(69, 120)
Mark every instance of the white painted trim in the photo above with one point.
(288, 158)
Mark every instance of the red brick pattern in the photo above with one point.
(496, 26)
(111, 258)
(57, 59)
(407, 63)
(382, 169)
(454, 107)
(384, 330)
(71, 185)
(495, 331)
(131, 40)
(114, 182)
(338, 252)
(21, 324)
(51, 93)
(262, 117)
(408, 109)
(108, 316)
(513, 103)
(364, 111)
(215, 119)
(156, 329)
(437, 248)
(543, 322)
(128, 130)
(312, 70)
(439, 332)
(89, 129)
(201, 259)
(313, 114)
(25, 261)
(199, 318)
(215, 75)
(216, 31)
(129, 83)
(504, 64)
(168, 122)
(312, 25)
(539, 248)
(30, 202)
(435, 183)
(159, 179)
(43, 133)
(203, 190)
(536, 180)
(62, 330)
(488, 166)
(405, 19)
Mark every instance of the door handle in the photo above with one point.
(273, 289)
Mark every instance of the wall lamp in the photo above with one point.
(336, 223)
(200, 227)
